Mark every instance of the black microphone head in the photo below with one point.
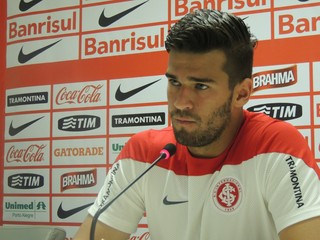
(168, 150)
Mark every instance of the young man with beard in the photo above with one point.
(235, 174)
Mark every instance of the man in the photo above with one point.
(235, 174)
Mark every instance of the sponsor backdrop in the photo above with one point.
(79, 77)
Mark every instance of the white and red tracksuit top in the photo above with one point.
(265, 181)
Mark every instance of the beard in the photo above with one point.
(204, 135)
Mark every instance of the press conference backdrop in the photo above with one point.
(69, 71)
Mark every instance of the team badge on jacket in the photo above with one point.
(227, 194)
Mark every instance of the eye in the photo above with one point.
(174, 82)
(201, 86)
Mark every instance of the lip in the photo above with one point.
(184, 121)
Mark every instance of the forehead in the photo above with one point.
(209, 64)
(214, 60)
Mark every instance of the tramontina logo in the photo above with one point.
(281, 111)
(25, 181)
(133, 120)
(79, 123)
(27, 99)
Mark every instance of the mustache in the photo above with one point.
(183, 113)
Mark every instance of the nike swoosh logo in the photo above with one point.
(121, 96)
(15, 130)
(106, 21)
(169, 202)
(24, 6)
(23, 58)
(63, 214)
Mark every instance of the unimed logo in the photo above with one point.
(79, 123)
(25, 181)
(282, 111)
(133, 120)
(25, 209)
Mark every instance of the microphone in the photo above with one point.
(167, 151)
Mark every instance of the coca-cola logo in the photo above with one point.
(88, 94)
(143, 236)
(33, 153)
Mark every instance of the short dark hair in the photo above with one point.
(204, 30)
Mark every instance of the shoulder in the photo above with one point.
(273, 132)
(263, 134)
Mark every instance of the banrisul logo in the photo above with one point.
(79, 123)
(134, 120)
(275, 78)
(282, 111)
(25, 181)
(27, 99)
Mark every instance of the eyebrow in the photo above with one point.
(194, 79)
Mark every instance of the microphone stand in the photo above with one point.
(103, 208)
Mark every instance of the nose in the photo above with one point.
(183, 99)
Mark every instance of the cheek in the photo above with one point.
(170, 95)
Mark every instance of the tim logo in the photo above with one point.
(25, 181)
(79, 123)
(281, 111)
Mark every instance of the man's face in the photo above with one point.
(198, 96)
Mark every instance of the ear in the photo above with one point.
(242, 92)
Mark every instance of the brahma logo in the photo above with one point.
(83, 179)
(79, 123)
(25, 181)
(275, 78)
(227, 194)
(282, 111)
